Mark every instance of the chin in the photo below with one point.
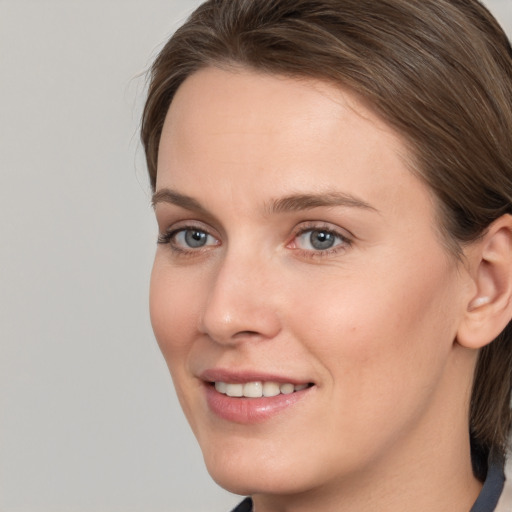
(250, 467)
(258, 466)
(248, 480)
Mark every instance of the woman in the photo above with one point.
(332, 288)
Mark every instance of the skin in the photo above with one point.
(372, 321)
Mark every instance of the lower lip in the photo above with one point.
(250, 410)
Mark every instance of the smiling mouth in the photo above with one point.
(258, 389)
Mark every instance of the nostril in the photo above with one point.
(247, 333)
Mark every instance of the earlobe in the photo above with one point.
(489, 310)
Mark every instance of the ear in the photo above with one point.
(489, 310)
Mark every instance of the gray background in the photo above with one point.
(88, 418)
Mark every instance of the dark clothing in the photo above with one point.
(486, 501)
(245, 506)
(493, 487)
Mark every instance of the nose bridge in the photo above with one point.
(241, 302)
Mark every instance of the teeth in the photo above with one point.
(253, 389)
(257, 389)
(221, 387)
(271, 389)
(286, 389)
(235, 390)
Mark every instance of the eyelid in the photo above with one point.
(312, 225)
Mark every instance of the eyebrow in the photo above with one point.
(298, 202)
(166, 195)
(291, 203)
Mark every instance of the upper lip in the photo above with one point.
(241, 377)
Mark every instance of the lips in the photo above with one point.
(247, 397)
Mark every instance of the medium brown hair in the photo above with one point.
(438, 71)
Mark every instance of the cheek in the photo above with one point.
(385, 352)
(173, 310)
(383, 333)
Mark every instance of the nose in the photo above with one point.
(242, 301)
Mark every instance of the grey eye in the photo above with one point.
(321, 240)
(193, 239)
(318, 240)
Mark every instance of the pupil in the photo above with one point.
(195, 238)
(321, 239)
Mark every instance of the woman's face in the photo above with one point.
(298, 253)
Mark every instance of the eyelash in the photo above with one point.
(345, 241)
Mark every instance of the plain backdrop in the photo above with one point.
(88, 417)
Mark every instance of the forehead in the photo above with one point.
(243, 134)
(248, 99)
(215, 106)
